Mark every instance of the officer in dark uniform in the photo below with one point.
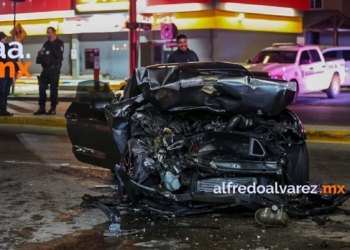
(183, 53)
(50, 57)
(6, 80)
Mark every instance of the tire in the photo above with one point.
(334, 88)
(297, 171)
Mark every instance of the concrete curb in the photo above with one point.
(58, 122)
(323, 134)
(73, 85)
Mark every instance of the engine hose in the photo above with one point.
(233, 122)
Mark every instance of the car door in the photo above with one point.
(306, 72)
(319, 79)
(346, 57)
(92, 141)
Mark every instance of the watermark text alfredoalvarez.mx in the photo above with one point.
(14, 53)
(229, 187)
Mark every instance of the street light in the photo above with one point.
(14, 28)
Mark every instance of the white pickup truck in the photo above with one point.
(304, 65)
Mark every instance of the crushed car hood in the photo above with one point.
(173, 89)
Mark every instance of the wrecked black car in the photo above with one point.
(184, 134)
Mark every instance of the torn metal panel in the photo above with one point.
(225, 88)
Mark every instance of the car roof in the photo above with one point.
(200, 65)
(289, 48)
(330, 48)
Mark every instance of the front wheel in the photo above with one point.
(334, 88)
(297, 169)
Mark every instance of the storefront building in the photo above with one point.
(225, 30)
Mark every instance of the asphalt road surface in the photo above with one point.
(317, 109)
(41, 185)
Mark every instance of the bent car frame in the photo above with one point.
(182, 130)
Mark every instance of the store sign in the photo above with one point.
(34, 6)
(111, 23)
(83, 6)
(92, 58)
(168, 31)
(170, 44)
(294, 4)
(165, 2)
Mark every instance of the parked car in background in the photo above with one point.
(336, 52)
(304, 65)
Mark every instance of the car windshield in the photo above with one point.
(89, 90)
(275, 57)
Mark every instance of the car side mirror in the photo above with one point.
(98, 104)
(248, 61)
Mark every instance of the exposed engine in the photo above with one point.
(165, 148)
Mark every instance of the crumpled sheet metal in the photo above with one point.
(175, 89)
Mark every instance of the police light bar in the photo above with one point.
(287, 44)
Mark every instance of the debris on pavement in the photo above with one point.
(272, 217)
(325, 244)
(185, 225)
(113, 216)
(320, 220)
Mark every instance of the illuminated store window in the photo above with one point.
(120, 46)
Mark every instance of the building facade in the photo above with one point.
(328, 22)
(222, 30)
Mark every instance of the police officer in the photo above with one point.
(183, 53)
(50, 57)
(6, 80)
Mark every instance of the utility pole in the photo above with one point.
(14, 29)
(132, 37)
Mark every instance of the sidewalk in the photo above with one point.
(68, 82)
(23, 115)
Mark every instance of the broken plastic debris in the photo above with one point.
(188, 240)
(324, 244)
(271, 217)
(320, 220)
